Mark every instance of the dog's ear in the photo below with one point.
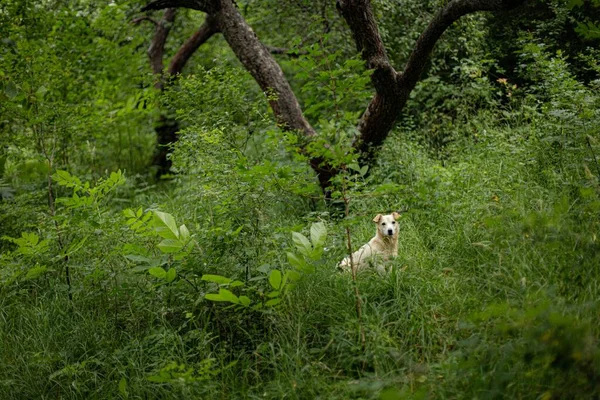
(377, 218)
(396, 215)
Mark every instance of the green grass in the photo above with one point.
(493, 294)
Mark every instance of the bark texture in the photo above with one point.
(205, 32)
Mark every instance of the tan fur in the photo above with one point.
(382, 245)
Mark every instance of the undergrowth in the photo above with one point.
(223, 282)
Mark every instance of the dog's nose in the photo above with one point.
(390, 232)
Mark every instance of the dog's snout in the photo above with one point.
(390, 232)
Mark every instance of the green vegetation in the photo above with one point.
(220, 280)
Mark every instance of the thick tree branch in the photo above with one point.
(393, 89)
(205, 32)
(258, 60)
(359, 16)
(265, 70)
(200, 5)
(157, 45)
(136, 21)
(442, 21)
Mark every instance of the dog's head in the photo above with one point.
(386, 224)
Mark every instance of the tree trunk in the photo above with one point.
(167, 128)
(392, 89)
(166, 135)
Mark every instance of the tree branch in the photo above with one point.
(393, 89)
(157, 46)
(200, 5)
(136, 21)
(444, 18)
(205, 32)
(258, 60)
(359, 16)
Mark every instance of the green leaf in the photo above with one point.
(75, 246)
(275, 279)
(318, 234)
(302, 243)
(184, 232)
(171, 273)
(226, 294)
(223, 295)
(129, 213)
(64, 178)
(221, 280)
(35, 272)
(273, 302)
(245, 300)
(170, 246)
(41, 92)
(291, 275)
(157, 272)
(11, 90)
(295, 261)
(123, 388)
(165, 226)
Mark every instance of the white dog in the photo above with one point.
(384, 244)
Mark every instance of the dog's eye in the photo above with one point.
(383, 224)
(394, 223)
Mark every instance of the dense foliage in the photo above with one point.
(221, 281)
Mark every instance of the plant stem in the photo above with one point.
(363, 340)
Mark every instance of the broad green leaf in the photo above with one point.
(292, 275)
(272, 294)
(157, 272)
(41, 92)
(223, 295)
(227, 295)
(129, 213)
(236, 284)
(165, 226)
(245, 300)
(273, 302)
(318, 234)
(214, 297)
(184, 232)
(275, 279)
(170, 246)
(171, 273)
(302, 243)
(11, 90)
(221, 280)
(295, 261)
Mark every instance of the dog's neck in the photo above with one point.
(388, 241)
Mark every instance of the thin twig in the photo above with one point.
(363, 340)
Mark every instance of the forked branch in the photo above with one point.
(393, 89)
